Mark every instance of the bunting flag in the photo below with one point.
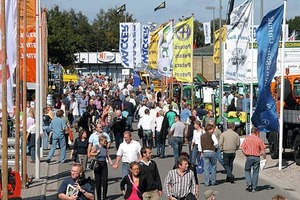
(183, 51)
(130, 44)
(265, 117)
(11, 46)
(161, 6)
(237, 41)
(207, 32)
(122, 8)
(153, 47)
(216, 56)
(165, 50)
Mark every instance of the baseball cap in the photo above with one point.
(209, 193)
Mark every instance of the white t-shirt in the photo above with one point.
(129, 152)
(197, 138)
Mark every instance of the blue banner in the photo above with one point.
(265, 117)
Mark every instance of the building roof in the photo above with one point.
(204, 51)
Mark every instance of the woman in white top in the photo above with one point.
(196, 143)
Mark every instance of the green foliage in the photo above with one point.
(294, 24)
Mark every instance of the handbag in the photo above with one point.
(94, 164)
(74, 155)
(200, 166)
(140, 132)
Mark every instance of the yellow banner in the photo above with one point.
(183, 51)
(216, 56)
(153, 47)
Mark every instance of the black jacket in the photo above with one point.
(126, 181)
(150, 178)
(119, 125)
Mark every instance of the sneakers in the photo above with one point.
(48, 160)
(249, 188)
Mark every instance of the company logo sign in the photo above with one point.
(106, 56)
(184, 32)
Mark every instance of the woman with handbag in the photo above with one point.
(79, 151)
(133, 183)
(100, 167)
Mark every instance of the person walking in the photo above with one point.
(196, 142)
(252, 148)
(133, 183)
(58, 127)
(150, 178)
(101, 154)
(129, 151)
(79, 151)
(217, 133)
(160, 144)
(148, 126)
(189, 132)
(177, 135)
(208, 144)
(94, 138)
(180, 183)
(229, 143)
(118, 127)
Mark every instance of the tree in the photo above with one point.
(294, 24)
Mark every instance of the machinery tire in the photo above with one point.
(297, 149)
(273, 145)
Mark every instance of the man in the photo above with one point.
(252, 147)
(82, 185)
(209, 119)
(129, 151)
(94, 138)
(151, 183)
(209, 143)
(180, 182)
(130, 109)
(170, 119)
(118, 127)
(58, 127)
(185, 113)
(229, 144)
(177, 135)
(148, 125)
(210, 195)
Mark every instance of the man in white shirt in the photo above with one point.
(148, 125)
(129, 151)
(94, 138)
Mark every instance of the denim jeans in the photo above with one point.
(118, 139)
(81, 110)
(177, 147)
(158, 142)
(210, 168)
(219, 157)
(125, 169)
(195, 155)
(62, 143)
(147, 138)
(252, 162)
(228, 159)
(46, 131)
(32, 153)
(190, 152)
(129, 121)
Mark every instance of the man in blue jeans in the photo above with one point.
(209, 143)
(252, 147)
(177, 135)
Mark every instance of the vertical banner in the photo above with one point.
(268, 34)
(145, 44)
(216, 56)
(130, 44)
(183, 51)
(237, 40)
(207, 32)
(153, 48)
(165, 50)
(11, 46)
(30, 40)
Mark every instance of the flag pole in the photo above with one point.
(18, 103)
(24, 116)
(192, 91)
(221, 65)
(282, 88)
(252, 67)
(4, 107)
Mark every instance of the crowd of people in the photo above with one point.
(104, 113)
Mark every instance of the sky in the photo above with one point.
(143, 10)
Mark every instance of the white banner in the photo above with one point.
(145, 43)
(130, 44)
(165, 50)
(11, 46)
(237, 40)
(207, 32)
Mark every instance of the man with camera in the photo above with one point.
(76, 187)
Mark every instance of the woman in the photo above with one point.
(101, 172)
(30, 139)
(133, 183)
(79, 151)
(196, 142)
(189, 134)
(46, 129)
